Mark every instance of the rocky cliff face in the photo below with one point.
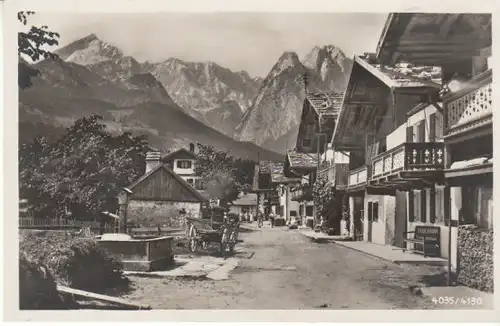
(272, 120)
(207, 91)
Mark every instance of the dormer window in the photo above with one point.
(184, 164)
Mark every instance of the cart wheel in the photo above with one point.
(193, 239)
(204, 244)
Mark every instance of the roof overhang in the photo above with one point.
(349, 134)
(433, 39)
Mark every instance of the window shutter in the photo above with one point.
(432, 127)
(423, 205)
(370, 211)
(409, 134)
(432, 205)
(421, 131)
(411, 203)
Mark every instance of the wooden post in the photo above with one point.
(123, 203)
(447, 215)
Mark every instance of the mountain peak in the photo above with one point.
(91, 37)
(319, 55)
(289, 55)
(287, 60)
(89, 50)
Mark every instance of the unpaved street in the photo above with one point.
(281, 269)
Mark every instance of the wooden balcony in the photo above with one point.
(470, 109)
(408, 166)
(336, 173)
(357, 179)
(302, 193)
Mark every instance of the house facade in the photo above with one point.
(159, 197)
(334, 168)
(246, 203)
(313, 154)
(183, 163)
(461, 45)
(273, 189)
(304, 167)
(388, 125)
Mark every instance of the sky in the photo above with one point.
(238, 41)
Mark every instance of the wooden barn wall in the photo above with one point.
(161, 185)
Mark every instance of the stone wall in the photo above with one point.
(152, 213)
(475, 258)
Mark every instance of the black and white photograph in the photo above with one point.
(254, 161)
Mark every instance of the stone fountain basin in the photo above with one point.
(144, 254)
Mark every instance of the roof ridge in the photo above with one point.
(183, 182)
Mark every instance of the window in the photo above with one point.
(416, 206)
(184, 164)
(199, 184)
(190, 181)
(293, 213)
(309, 210)
(485, 209)
(477, 206)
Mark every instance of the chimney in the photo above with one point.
(153, 159)
(191, 147)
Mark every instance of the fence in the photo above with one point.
(53, 224)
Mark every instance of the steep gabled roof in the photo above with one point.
(176, 177)
(402, 75)
(325, 103)
(184, 151)
(302, 160)
(270, 167)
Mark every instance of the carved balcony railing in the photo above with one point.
(337, 174)
(358, 177)
(470, 107)
(341, 175)
(409, 157)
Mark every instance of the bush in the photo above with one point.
(37, 287)
(73, 260)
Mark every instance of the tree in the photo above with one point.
(83, 170)
(223, 175)
(31, 44)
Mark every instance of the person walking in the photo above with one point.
(271, 219)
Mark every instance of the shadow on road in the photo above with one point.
(246, 230)
(437, 279)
